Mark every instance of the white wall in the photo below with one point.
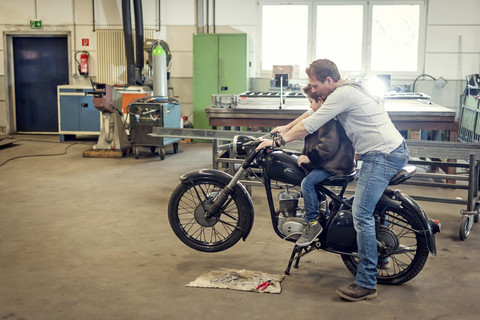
(453, 46)
(453, 37)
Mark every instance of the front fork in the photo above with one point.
(221, 201)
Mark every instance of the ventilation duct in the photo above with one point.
(134, 69)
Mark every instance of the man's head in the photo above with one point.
(323, 76)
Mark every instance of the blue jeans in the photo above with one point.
(376, 171)
(310, 197)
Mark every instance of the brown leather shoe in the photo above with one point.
(354, 292)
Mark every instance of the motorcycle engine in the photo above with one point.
(291, 221)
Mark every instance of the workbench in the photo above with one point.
(406, 114)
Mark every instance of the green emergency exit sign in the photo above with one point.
(36, 24)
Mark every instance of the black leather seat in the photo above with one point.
(339, 180)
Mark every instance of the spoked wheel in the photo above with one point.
(188, 215)
(402, 249)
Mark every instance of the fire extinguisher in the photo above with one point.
(83, 63)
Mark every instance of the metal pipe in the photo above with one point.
(213, 14)
(208, 16)
(127, 35)
(159, 15)
(471, 183)
(93, 14)
(137, 5)
(200, 16)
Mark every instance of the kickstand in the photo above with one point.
(295, 256)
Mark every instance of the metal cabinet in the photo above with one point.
(219, 67)
(146, 115)
(76, 113)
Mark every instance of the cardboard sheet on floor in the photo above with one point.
(241, 280)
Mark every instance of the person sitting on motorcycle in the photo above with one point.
(382, 150)
(326, 152)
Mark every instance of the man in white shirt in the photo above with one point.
(381, 147)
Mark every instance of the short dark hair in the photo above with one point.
(322, 68)
(311, 95)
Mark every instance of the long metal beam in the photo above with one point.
(443, 149)
(203, 134)
(417, 148)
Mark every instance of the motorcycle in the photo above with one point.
(211, 210)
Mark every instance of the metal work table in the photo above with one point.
(406, 114)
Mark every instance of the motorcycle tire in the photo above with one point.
(186, 216)
(410, 253)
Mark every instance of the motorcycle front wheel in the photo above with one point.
(407, 248)
(187, 216)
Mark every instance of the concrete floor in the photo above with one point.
(88, 238)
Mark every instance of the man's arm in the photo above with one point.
(296, 132)
(284, 129)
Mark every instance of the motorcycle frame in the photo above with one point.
(386, 201)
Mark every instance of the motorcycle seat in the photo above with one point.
(406, 173)
(339, 180)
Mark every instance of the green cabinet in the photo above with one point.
(219, 67)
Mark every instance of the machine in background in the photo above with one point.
(147, 112)
(158, 110)
(113, 140)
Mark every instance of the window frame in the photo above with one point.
(366, 38)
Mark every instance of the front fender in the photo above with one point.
(393, 198)
(245, 201)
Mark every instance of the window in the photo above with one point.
(361, 37)
(395, 32)
(346, 34)
(284, 35)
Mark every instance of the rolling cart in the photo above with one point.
(147, 112)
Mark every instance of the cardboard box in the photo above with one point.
(291, 70)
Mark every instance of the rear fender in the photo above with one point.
(239, 191)
(396, 198)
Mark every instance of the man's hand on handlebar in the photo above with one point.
(265, 144)
(276, 140)
(280, 129)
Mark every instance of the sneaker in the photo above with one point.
(354, 292)
(312, 231)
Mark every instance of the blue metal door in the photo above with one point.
(40, 64)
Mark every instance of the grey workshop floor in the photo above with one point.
(88, 238)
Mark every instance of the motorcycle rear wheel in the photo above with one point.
(410, 254)
(186, 214)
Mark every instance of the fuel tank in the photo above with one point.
(282, 166)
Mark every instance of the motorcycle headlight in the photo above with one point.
(238, 142)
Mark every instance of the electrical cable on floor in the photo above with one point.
(42, 155)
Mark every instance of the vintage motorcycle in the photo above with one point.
(211, 210)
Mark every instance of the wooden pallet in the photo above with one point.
(91, 153)
(7, 140)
